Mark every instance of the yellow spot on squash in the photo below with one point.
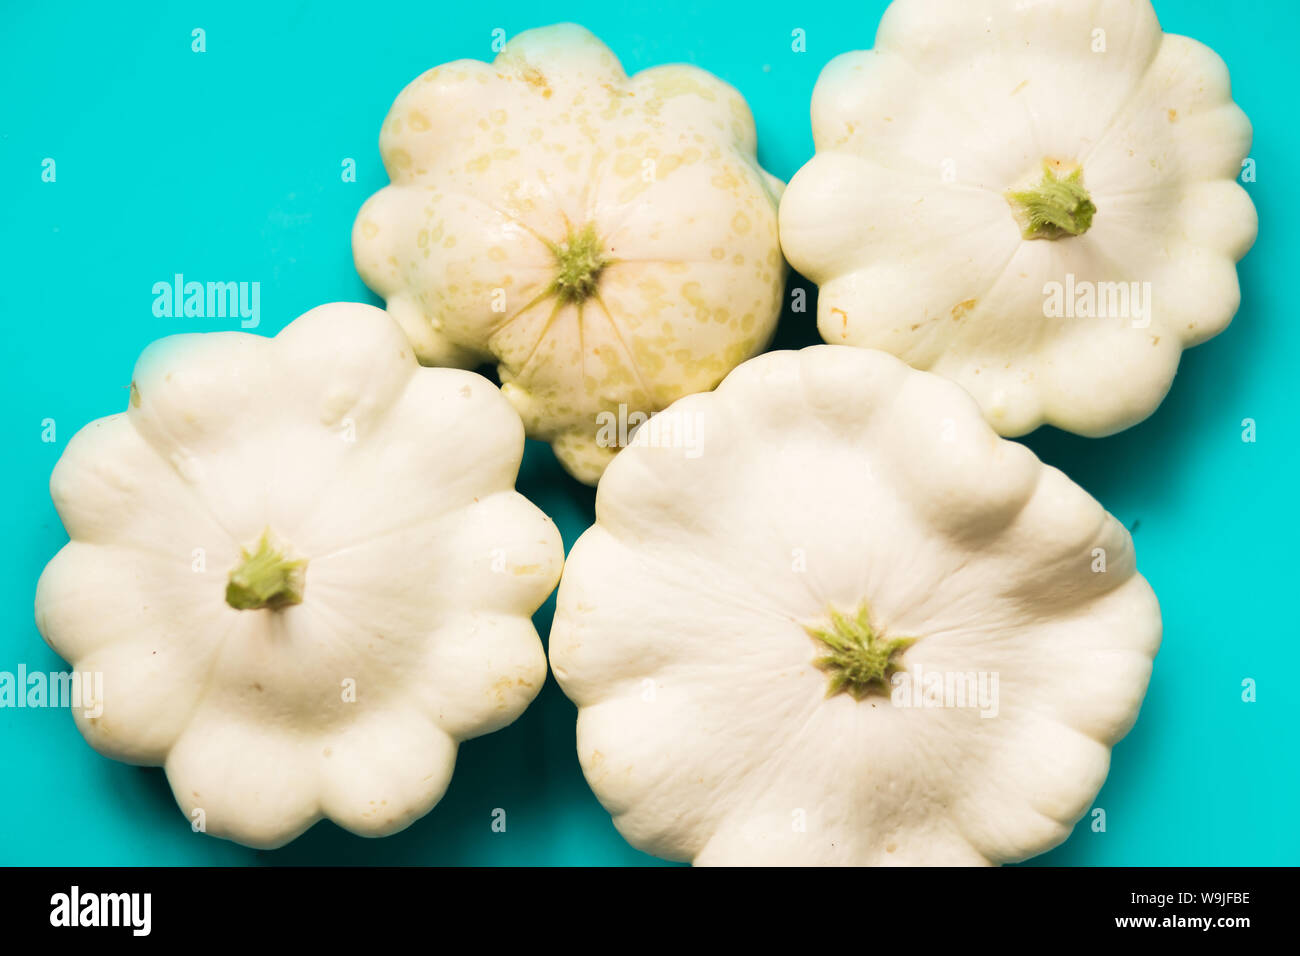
(962, 309)
(844, 322)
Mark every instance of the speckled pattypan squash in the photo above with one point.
(610, 242)
(853, 627)
(303, 571)
(1037, 200)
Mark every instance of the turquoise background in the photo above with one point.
(226, 165)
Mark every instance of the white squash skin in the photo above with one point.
(937, 273)
(490, 162)
(703, 725)
(424, 568)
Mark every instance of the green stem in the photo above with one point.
(579, 260)
(860, 661)
(1055, 208)
(266, 578)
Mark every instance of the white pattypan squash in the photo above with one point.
(302, 569)
(610, 242)
(1037, 200)
(846, 623)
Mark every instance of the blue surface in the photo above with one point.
(226, 165)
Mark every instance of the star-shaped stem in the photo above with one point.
(1055, 208)
(860, 661)
(579, 260)
(266, 578)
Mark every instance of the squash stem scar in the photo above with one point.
(266, 578)
(1058, 207)
(861, 660)
(579, 260)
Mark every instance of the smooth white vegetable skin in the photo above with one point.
(902, 220)
(395, 482)
(492, 164)
(827, 478)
